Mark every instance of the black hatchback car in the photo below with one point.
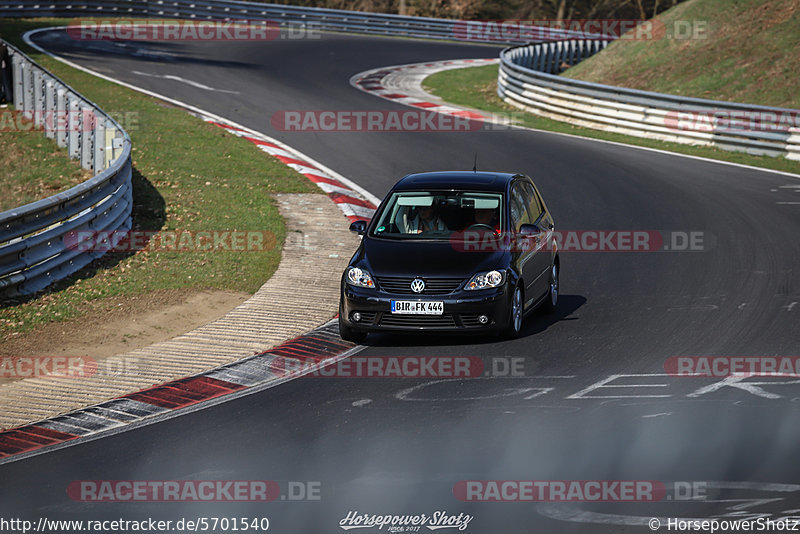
(451, 251)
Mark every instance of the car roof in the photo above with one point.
(475, 181)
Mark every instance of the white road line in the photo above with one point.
(352, 210)
(184, 80)
(272, 151)
(329, 188)
(604, 384)
(738, 383)
(200, 111)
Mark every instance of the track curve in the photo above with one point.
(621, 314)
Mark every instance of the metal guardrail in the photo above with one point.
(36, 248)
(319, 18)
(528, 79)
(33, 251)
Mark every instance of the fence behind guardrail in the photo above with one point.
(36, 248)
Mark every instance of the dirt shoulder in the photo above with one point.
(117, 325)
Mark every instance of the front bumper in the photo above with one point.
(461, 310)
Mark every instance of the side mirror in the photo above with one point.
(529, 230)
(359, 227)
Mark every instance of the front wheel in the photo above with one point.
(551, 302)
(514, 326)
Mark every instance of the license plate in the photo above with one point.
(415, 307)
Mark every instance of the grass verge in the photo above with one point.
(737, 51)
(33, 167)
(187, 175)
(476, 87)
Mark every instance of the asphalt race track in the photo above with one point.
(571, 412)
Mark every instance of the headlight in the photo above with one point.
(359, 277)
(486, 280)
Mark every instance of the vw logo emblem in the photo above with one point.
(417, 285)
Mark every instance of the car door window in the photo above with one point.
(532, 201)
(519, 209)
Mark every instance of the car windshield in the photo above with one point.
(438, 215)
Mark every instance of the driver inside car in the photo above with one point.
(486, 218)
(425, 220)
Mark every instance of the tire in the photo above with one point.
(349, 334)
(551, 301)
(515, 315)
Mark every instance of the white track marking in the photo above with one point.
(296, 153)
(603, 384)
(750, 387)
(184, 80)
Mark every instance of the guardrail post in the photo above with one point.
(118, 142)
(109, 142)
(547, 57)
(527, 56)
(27, 92)
(87, 131)
(581, 52)
(38, 98)
(99, 145)
(573, 50)
(50, 119)
(74, 127)
(559, 58)
(60, 122)
(18, 65)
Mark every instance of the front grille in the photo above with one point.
(418, 321)
(401, 285)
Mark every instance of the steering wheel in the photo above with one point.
(479, 226)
